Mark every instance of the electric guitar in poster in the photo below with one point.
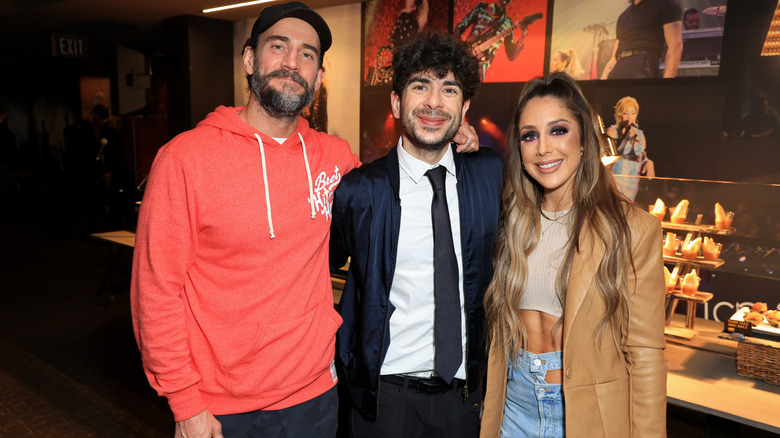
(480, 47)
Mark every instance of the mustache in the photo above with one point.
(290, 75)
(432, 113)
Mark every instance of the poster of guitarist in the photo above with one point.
(489, 26)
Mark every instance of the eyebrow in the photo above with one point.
(550, 123)
(425, 80)
(287, 40)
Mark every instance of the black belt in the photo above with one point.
(627, 53)
(434, 385)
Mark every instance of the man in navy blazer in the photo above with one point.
(382, 219)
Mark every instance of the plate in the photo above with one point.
(764, 328)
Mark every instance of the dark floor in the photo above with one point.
(68, 361)
(69, 366)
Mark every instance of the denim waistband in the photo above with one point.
(538, 362)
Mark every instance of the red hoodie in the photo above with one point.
(231, 295)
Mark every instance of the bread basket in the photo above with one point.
(759, 359)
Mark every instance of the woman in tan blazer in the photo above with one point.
(575, 310)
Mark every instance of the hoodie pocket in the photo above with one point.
(271, 356)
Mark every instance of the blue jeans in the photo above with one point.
(533, 407)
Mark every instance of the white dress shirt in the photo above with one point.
(411, 349)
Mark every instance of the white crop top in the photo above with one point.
(544, 263)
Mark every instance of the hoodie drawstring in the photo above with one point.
(265, 183)
(308, 174)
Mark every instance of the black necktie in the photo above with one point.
(447, 336)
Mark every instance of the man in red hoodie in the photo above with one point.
(231, 295)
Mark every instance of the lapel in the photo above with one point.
(581, 276)
(394, 172)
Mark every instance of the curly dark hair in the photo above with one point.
(438, 53)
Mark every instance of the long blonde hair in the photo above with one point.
(598, 210)
(571, 63)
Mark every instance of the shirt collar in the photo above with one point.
(416, 168)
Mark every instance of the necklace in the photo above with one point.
(552, 221)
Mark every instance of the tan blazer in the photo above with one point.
(608, 391)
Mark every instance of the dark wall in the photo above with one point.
(199, 54)
(191, 62)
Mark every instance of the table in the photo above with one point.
(122, 237)
(125, 239)
(702, 376)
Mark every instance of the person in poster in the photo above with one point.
(632, 147)
(486, 27)
(641, 32)
(691, 19)
(567, 62)
(490, 27)
(388, 23)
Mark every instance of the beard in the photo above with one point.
(418, 137)
(284, 103)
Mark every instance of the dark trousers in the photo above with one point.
(641, 66)
(314, 418)
(405, 413)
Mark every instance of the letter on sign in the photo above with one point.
(67, 46)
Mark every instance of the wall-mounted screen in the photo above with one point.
(507, 37)
(620, 40)
(387, 24)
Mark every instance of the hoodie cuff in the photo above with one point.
(186, 403)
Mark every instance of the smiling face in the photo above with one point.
(285, 70)
(431, 110)
(550, 148)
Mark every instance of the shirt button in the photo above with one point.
(537, 362)
(540, 391)
(569, 372)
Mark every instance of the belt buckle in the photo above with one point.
(627, 53)
(429, 386)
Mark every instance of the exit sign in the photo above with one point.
(69, 46)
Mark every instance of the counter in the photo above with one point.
(702, 376)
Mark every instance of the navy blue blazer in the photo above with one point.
(365, 227)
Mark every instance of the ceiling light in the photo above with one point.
(235, 5)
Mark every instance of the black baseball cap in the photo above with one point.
(270, 15)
